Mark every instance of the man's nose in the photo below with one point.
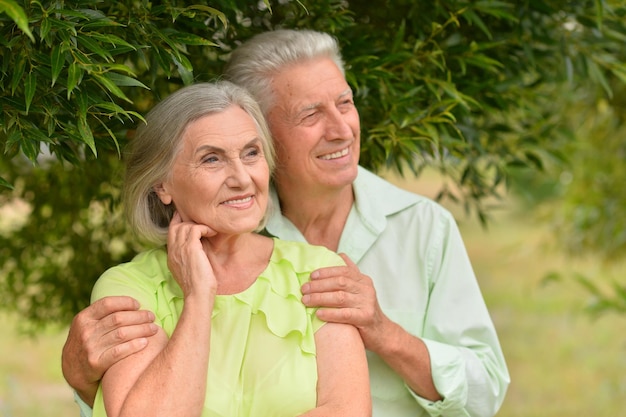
(338, 126)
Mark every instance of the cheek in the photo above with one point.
(355, 124)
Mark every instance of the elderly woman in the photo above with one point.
(234, 338)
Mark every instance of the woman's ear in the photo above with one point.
(164, 196)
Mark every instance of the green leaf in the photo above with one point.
(191, 39)
(6, 184)
(184, 69)
(125, 81)
(30, 86)
(110, 86)
(57, 60)
(86, 135)
(17, 14)
(82, 100)
(473, 18)
(221, 16)
(111, 134)
(45, 28)
(18, 73)
(112, 39)
(100, 23)
(74, 75)
(94, 47)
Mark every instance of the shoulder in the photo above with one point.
(143, 273)
(302, 256)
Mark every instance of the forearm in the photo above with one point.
(445, 379)
(407, 355)
(176, 375)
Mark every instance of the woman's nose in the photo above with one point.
(238, 173)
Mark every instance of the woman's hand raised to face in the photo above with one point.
(186, 258)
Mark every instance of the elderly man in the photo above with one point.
(408, 286)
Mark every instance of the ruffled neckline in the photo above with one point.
(279, 281)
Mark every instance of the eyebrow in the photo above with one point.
(211, 148)
(312, 106)
(347, 92)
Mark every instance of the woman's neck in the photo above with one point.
(238, 261)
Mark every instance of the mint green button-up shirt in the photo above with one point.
(412, 250)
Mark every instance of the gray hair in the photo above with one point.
(253, 64)
(152, 151)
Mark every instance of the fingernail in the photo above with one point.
(306, 299)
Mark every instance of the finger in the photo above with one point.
(118, 328)
(206, 231)
(121, 319)
(340, 315)
(108, 305)
(329, 272)
(330, 284)
(334, 299)
(120, 351)
(125, 334)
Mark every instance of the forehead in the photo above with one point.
(309, 82)
(231, 126)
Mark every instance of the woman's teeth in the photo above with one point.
(239, 201)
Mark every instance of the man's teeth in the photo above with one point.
(239, 201)
(335, 155)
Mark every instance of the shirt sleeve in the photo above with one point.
(467, 363)
(85, 410)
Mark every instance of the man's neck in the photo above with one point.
(319, 217)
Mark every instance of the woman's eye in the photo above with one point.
(210, 159)
(252, 153)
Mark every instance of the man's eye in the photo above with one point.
(310, 117)
(346, 104)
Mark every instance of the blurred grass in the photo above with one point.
(562, 361)
(31, 382)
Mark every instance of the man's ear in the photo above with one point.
(161, 191)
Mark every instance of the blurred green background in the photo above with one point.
(511, 113)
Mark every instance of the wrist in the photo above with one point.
(87, 393)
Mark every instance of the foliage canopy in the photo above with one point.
(475, 89)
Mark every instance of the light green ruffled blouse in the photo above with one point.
(262, 359)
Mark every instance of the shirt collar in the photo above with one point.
(375, 199)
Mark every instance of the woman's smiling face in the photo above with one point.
(220, 177)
